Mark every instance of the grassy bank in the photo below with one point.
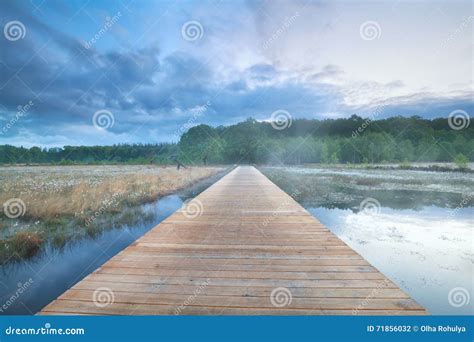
(435, 167)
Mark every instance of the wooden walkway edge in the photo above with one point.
(242, 247)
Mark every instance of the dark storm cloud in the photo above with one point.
(152, 93)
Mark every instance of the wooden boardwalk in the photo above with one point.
(242, 247)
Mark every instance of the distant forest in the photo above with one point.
(350, 140)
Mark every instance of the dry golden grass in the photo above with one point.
(82, 190)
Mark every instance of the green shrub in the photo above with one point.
(461, 161)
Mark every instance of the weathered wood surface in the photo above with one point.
(242, 247)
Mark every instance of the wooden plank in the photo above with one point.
(248, 241)
(256, 291)
(240, 281)
(200, 266)
(84, 307)
(346, 303)
(241, 274)
(319, 261)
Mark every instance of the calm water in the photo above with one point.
(419, 232)
(55, 270)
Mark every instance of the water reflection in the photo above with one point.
(427, 253)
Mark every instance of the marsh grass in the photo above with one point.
(62, 206)
(49, 195)
(22, 245)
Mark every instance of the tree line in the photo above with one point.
(349, 140)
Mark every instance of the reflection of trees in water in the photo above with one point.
(394, 199)
(341, 193)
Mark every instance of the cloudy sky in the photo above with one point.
(146, 68)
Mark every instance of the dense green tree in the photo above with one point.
(201, 143)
